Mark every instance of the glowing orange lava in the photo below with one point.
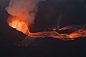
(19, 25)
(1, 9)
(23, 27)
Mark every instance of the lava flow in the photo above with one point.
(77, 31)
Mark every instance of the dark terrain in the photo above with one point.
(73, 13)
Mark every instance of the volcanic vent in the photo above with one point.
(22, 16)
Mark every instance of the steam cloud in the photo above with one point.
(52, 13)
(24, 9)
(3, 3)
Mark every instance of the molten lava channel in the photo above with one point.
(23, 27)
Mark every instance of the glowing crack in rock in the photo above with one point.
(23, 27)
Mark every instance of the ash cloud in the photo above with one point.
(24, 9)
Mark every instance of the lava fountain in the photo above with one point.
(19, 25)
(25, 11)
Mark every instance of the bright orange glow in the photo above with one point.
(23, 27)
(68, 27)
(19, 25)
(1, 9)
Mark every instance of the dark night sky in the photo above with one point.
(71, 12)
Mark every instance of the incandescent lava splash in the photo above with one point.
(19, 25)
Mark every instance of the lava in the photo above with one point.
(24, 28)
(19, 25)
(1, 9)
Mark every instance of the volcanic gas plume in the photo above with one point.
(23, 9)
(22, 16)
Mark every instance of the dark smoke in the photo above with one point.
(3, 3)
(60, 13)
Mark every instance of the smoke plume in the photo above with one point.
(23, 9)
(3, 3)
